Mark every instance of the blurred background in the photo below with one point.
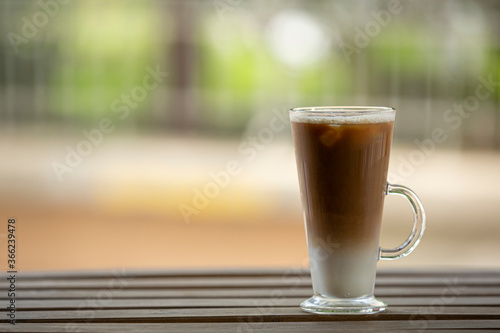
(154, 134)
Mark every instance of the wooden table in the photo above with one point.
(242, 301)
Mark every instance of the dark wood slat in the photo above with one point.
(294, 327)
(235, 302)
(169, 283)
(236, 282)
(281, 314)
(409, 291)
(156, 273)
(244, 272)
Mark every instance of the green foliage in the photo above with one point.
(104, 52)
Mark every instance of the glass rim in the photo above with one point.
(343, 109)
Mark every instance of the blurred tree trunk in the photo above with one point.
(183, 108)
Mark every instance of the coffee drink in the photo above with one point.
(342, 164)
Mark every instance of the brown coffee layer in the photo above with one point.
(342, 173)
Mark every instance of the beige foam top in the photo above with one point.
(354, 118)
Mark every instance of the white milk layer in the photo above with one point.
(354, 118)
(343, 272)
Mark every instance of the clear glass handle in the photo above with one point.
(418, 224)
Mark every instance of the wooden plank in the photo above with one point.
(234, 314)
(171, 283)
(235, 282)
(380, 291)
(160, 273)
(139, 303)
(295, 327)
(238, 272)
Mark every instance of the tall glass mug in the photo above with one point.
(342, 160)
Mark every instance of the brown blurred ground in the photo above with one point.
(120, 207)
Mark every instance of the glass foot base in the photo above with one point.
(324, 305)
